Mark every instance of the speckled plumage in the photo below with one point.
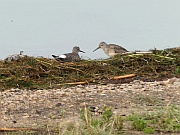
(111, 49)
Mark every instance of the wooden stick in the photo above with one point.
(76, 83)
(121, 77)
(16, 129)
(137, 53)
(143, 52)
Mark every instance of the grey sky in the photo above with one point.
(45, 27)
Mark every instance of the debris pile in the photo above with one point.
(39, 73)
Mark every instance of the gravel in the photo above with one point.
(38, 108)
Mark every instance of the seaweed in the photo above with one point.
(40, 73)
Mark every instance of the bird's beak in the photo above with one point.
(82, 51)
(96, 49)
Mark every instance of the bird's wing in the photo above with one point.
(72, 57)
(117, 48)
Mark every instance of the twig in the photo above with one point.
(60, 65)
(163, 56)
(121, 77)
(17, 129)
(143, 52)
(76, 83)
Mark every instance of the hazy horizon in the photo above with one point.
(44, 27)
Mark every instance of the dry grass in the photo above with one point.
(36, 73)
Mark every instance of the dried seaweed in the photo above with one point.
(39, 73)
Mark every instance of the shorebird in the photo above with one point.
(70, 57)
(15, 56)
(111, 49)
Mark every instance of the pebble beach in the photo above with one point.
(36, 108)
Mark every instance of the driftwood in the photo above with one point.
(17, 129)
(77, 83)
(137, 52)
(111, 78)
(121, 77)
(143, 52)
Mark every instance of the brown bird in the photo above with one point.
(111, 49)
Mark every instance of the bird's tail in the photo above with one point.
(54, 56)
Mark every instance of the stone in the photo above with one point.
(80, 90)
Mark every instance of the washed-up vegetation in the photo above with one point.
(39, 73)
